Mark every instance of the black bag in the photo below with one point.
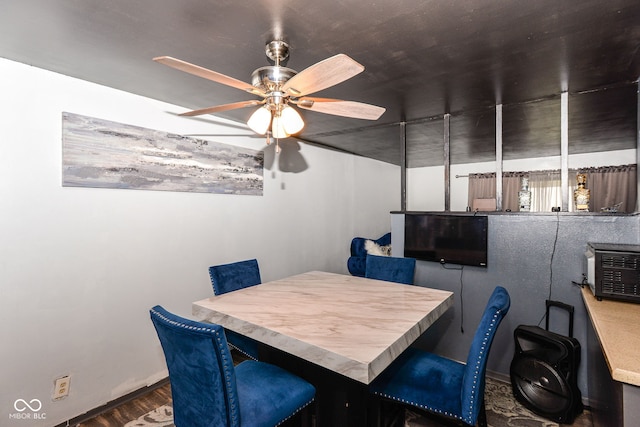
(544, 370)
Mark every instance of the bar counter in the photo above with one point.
(613, 360)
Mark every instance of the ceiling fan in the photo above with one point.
(280, 87)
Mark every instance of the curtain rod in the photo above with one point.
(585, 169)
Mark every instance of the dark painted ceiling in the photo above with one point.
(423, 59)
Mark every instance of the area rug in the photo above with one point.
(159, 417)
(502, 411)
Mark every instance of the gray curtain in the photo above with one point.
(612, 185)
(481, 186)
(511, 185)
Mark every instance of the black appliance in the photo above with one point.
(544, 370)
(613, 271)
(446, 238)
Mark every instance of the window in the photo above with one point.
(546, 191)
(611, 186)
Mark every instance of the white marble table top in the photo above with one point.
(350, 325)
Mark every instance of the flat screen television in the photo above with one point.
(447, 239)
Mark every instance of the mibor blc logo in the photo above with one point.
(27, 410)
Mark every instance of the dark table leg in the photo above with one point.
(340, 401)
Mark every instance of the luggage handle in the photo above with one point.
(564, 306)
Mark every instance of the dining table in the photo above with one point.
(338, 331)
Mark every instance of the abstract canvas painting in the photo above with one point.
(103, 154)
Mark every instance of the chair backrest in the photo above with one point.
(237, 275)
(391, 269)
(357, 244)
(474, 376)
(201, 371)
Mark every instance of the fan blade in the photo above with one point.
(337, 107)
(322, 75)
(196, 70)
(224, 107)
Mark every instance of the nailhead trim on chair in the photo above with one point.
(477, 367)
(216, 292)
(239, 350)
(295, 412)
(225, 362)
(473, 392)
(437, 411)
(215, 289)
(182, 325)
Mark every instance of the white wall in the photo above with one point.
(425, 189)
(79, 267)
(425, 186)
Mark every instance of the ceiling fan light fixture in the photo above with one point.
(279, 86)
(260, 120)
(291, 120)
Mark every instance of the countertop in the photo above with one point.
(616, 324)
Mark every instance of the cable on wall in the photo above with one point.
(553, 252)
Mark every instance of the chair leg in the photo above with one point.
(373, 411)
(482, 416)
(386, 413)
(309, 415)
(304, 418)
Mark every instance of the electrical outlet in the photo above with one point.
(61, 387)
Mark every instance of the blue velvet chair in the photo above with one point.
(356, 264)
(231, 277)
(448, 388)
(208, 391)
(391, 269)
(236, 275)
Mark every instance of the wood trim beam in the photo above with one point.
(447, 162)
(403, 166)
(499, 157)
(564, 150)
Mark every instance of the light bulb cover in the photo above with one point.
(260, 120)
(277, 128)
(291, 120)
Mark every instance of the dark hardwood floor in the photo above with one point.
(161, 396)
(502, 410)
(132, 410)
